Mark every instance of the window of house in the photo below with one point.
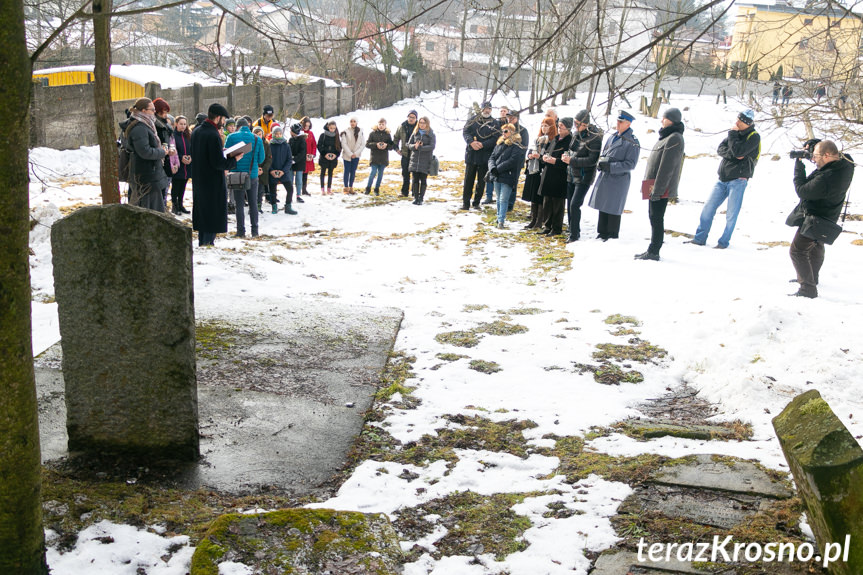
(798, 71)
(826, 72)
(804, 43)
(429, 46)
(807, 21)
(831, 45)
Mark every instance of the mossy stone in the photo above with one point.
(827, 464)
(301, 541)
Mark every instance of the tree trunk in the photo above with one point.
(460, 57)
(534, 77)
(108, 177)
(22, 540)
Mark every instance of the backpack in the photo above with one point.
(124, 154)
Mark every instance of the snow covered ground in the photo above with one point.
(724, 316)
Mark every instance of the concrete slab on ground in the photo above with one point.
(281, 397)
(707, 472)
(620, 562)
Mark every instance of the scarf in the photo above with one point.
(278, 140)
(677, 127)
(145, 119)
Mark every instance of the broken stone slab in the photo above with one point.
(301, 541)
(722, 474)
(622, 562)
(282, 393)
(706, 507)
(652, 428)
(827, 464)
(125, 302)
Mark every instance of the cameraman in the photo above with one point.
(822, 193)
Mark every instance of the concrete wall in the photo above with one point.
(64, 117)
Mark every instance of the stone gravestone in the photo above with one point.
(125, 296)
(827, 464)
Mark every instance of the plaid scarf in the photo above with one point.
(145, 119)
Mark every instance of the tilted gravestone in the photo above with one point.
(827, 464)
(124, 290)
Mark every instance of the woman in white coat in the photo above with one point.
(353, 141)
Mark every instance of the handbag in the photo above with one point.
(242, 180)
(795, 218)
(820, 229)
(434, 167)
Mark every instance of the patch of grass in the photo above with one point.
(637, 350)
(773, 244)
(483, 366)
(471, 307)
(451, 356)
(621, 331)
(522, 311)
(576, 463)
(500, 328)
(213, 340)
(618, 319)
(397, 371)
(459, 338)
(475, 524)
(559, 510)
(278, 259)
(612, 374)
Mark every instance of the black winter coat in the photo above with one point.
(264, 178)
(183, 142)
(282, 160)
(210, 197)
(165, 136)
(553, 179)
(507, 158)
(328, 143)
(298, 152)
(822, 193)
(483, 130)
(584, 155)
(421, 158)
(745, 144)
(378, 156)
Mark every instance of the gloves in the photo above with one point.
(494, 172)
(604, 165)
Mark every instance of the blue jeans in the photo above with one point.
(733, 191)
(298, 181)
(503, 192)
(377, 170)
(489, 186)
(350, 171)
(240, 197)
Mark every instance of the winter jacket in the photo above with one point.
(329, 143)
(665, 162)
(265, 165)
(147, 155)
(353, 142)
(822, 193)
(525, 138)
(282, 161)
(380, 157)
(266, 126)
(254, 157)
(403, 134)
(165, 134)
(210, 199)
(584, 153)
(507, 158)
(183, 143)
(611, 188)
(311, 151)
(553, 179)
(421, 158)
(739, 153)
(298, 152)
(484, 131)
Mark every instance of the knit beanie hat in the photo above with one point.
(673, 115)
(413, 113)
(747, 117)
(567, 122)
(296, 129)
(583, 117)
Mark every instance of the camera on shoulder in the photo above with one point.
(800, 155)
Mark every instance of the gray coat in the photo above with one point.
(609, 193)
(421, 158)
(147, 177)
(665, 162)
